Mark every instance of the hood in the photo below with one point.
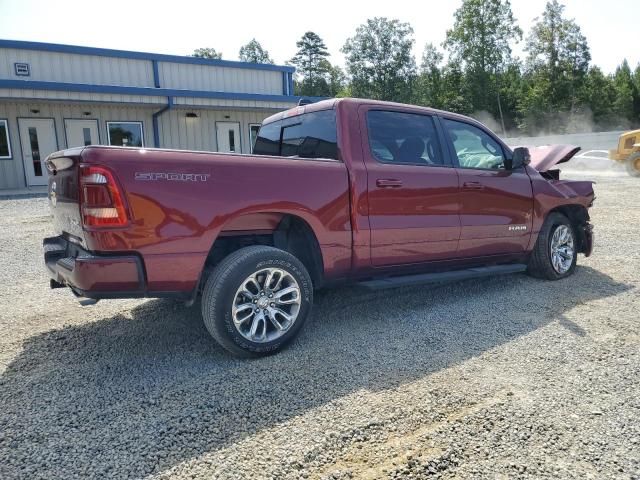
(546, 157)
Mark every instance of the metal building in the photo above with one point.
(54, 97)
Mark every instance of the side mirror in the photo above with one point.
(520, 157)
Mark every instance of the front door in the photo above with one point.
(228, 137)
(38, 140)
(412, 189)
(496, 204)
(81, 133)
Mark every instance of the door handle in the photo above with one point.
(388, 183)
(472, 186)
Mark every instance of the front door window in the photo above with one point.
(474, 147)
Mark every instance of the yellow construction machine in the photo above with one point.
(628, 152)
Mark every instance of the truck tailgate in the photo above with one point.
(64, 193)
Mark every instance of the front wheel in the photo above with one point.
(633, 164)
(257, 300)
(554, 255)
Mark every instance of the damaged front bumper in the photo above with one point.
(586, 238)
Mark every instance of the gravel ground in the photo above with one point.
(507, 377)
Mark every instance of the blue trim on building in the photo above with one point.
(290, 82)
(148, 91)
(160, 57)
(156, 73)
(154, 121)
(285, 84)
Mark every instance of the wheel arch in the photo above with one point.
(287, 231)
(578, 215)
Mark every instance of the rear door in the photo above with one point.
(496, 204)
(412, 188)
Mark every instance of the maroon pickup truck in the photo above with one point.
(374, 193)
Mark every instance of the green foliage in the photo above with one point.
(379, 60)
(254, 53)
(557, 67)
(555, 89)
(429, 84)
(314, 71)
(480, 42)
(207, 52)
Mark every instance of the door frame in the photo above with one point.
(239, 133)
(64, 124)
(249, 130)
(507, 154)
(368, 160)
(55, 134)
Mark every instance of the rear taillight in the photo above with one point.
(101, 200)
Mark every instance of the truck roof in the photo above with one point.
(333, 102)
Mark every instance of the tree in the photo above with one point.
(253, 52)
(429, 83)
(624, 91)
(207, 52)
(454, 95)
(557, 67)
(334, 78)
(311, 63)
(600, 95)
(379, 60)
(480, 42)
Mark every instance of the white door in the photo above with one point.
(38, 140)
(228, 136)
(81, 133)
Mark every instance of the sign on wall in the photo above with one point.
(22, 69)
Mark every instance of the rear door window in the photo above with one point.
(404, 138)
(268, 140)
(311, 135)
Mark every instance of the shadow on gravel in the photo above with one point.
(126, 397)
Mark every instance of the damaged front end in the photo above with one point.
(573, 198)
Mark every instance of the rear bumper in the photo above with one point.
(93, 276)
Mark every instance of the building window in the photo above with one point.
(5, 145)
(125, 134)
(254, 128)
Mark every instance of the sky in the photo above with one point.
(177, 28)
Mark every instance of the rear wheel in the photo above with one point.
(555, 253)
(257, 300)
(633, 164)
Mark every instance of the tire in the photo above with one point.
(223, 301)
(541, 264)
(632, 164)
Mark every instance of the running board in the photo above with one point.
(451, 276)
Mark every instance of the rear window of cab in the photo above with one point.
(310, 135)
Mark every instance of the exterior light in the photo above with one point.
(191, 115)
